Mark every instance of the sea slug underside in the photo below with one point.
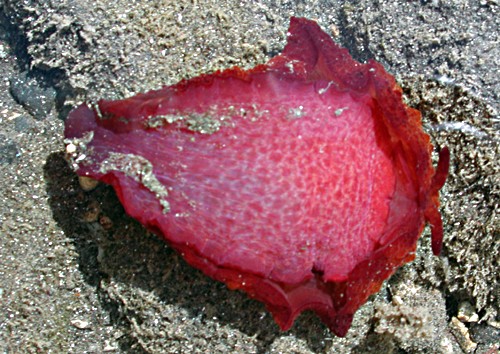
(304, 182)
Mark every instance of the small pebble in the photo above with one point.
(80, 324)
(466, 312)
(87, 183)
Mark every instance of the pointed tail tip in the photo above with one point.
(442, 169)
(437, 237)
(434, 216)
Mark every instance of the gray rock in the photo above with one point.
(8, 150)
(37, 100)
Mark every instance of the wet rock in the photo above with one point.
(37, 100)
(8, 150)
(485, 335)
(22, 124)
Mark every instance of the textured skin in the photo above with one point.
(305, 182)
